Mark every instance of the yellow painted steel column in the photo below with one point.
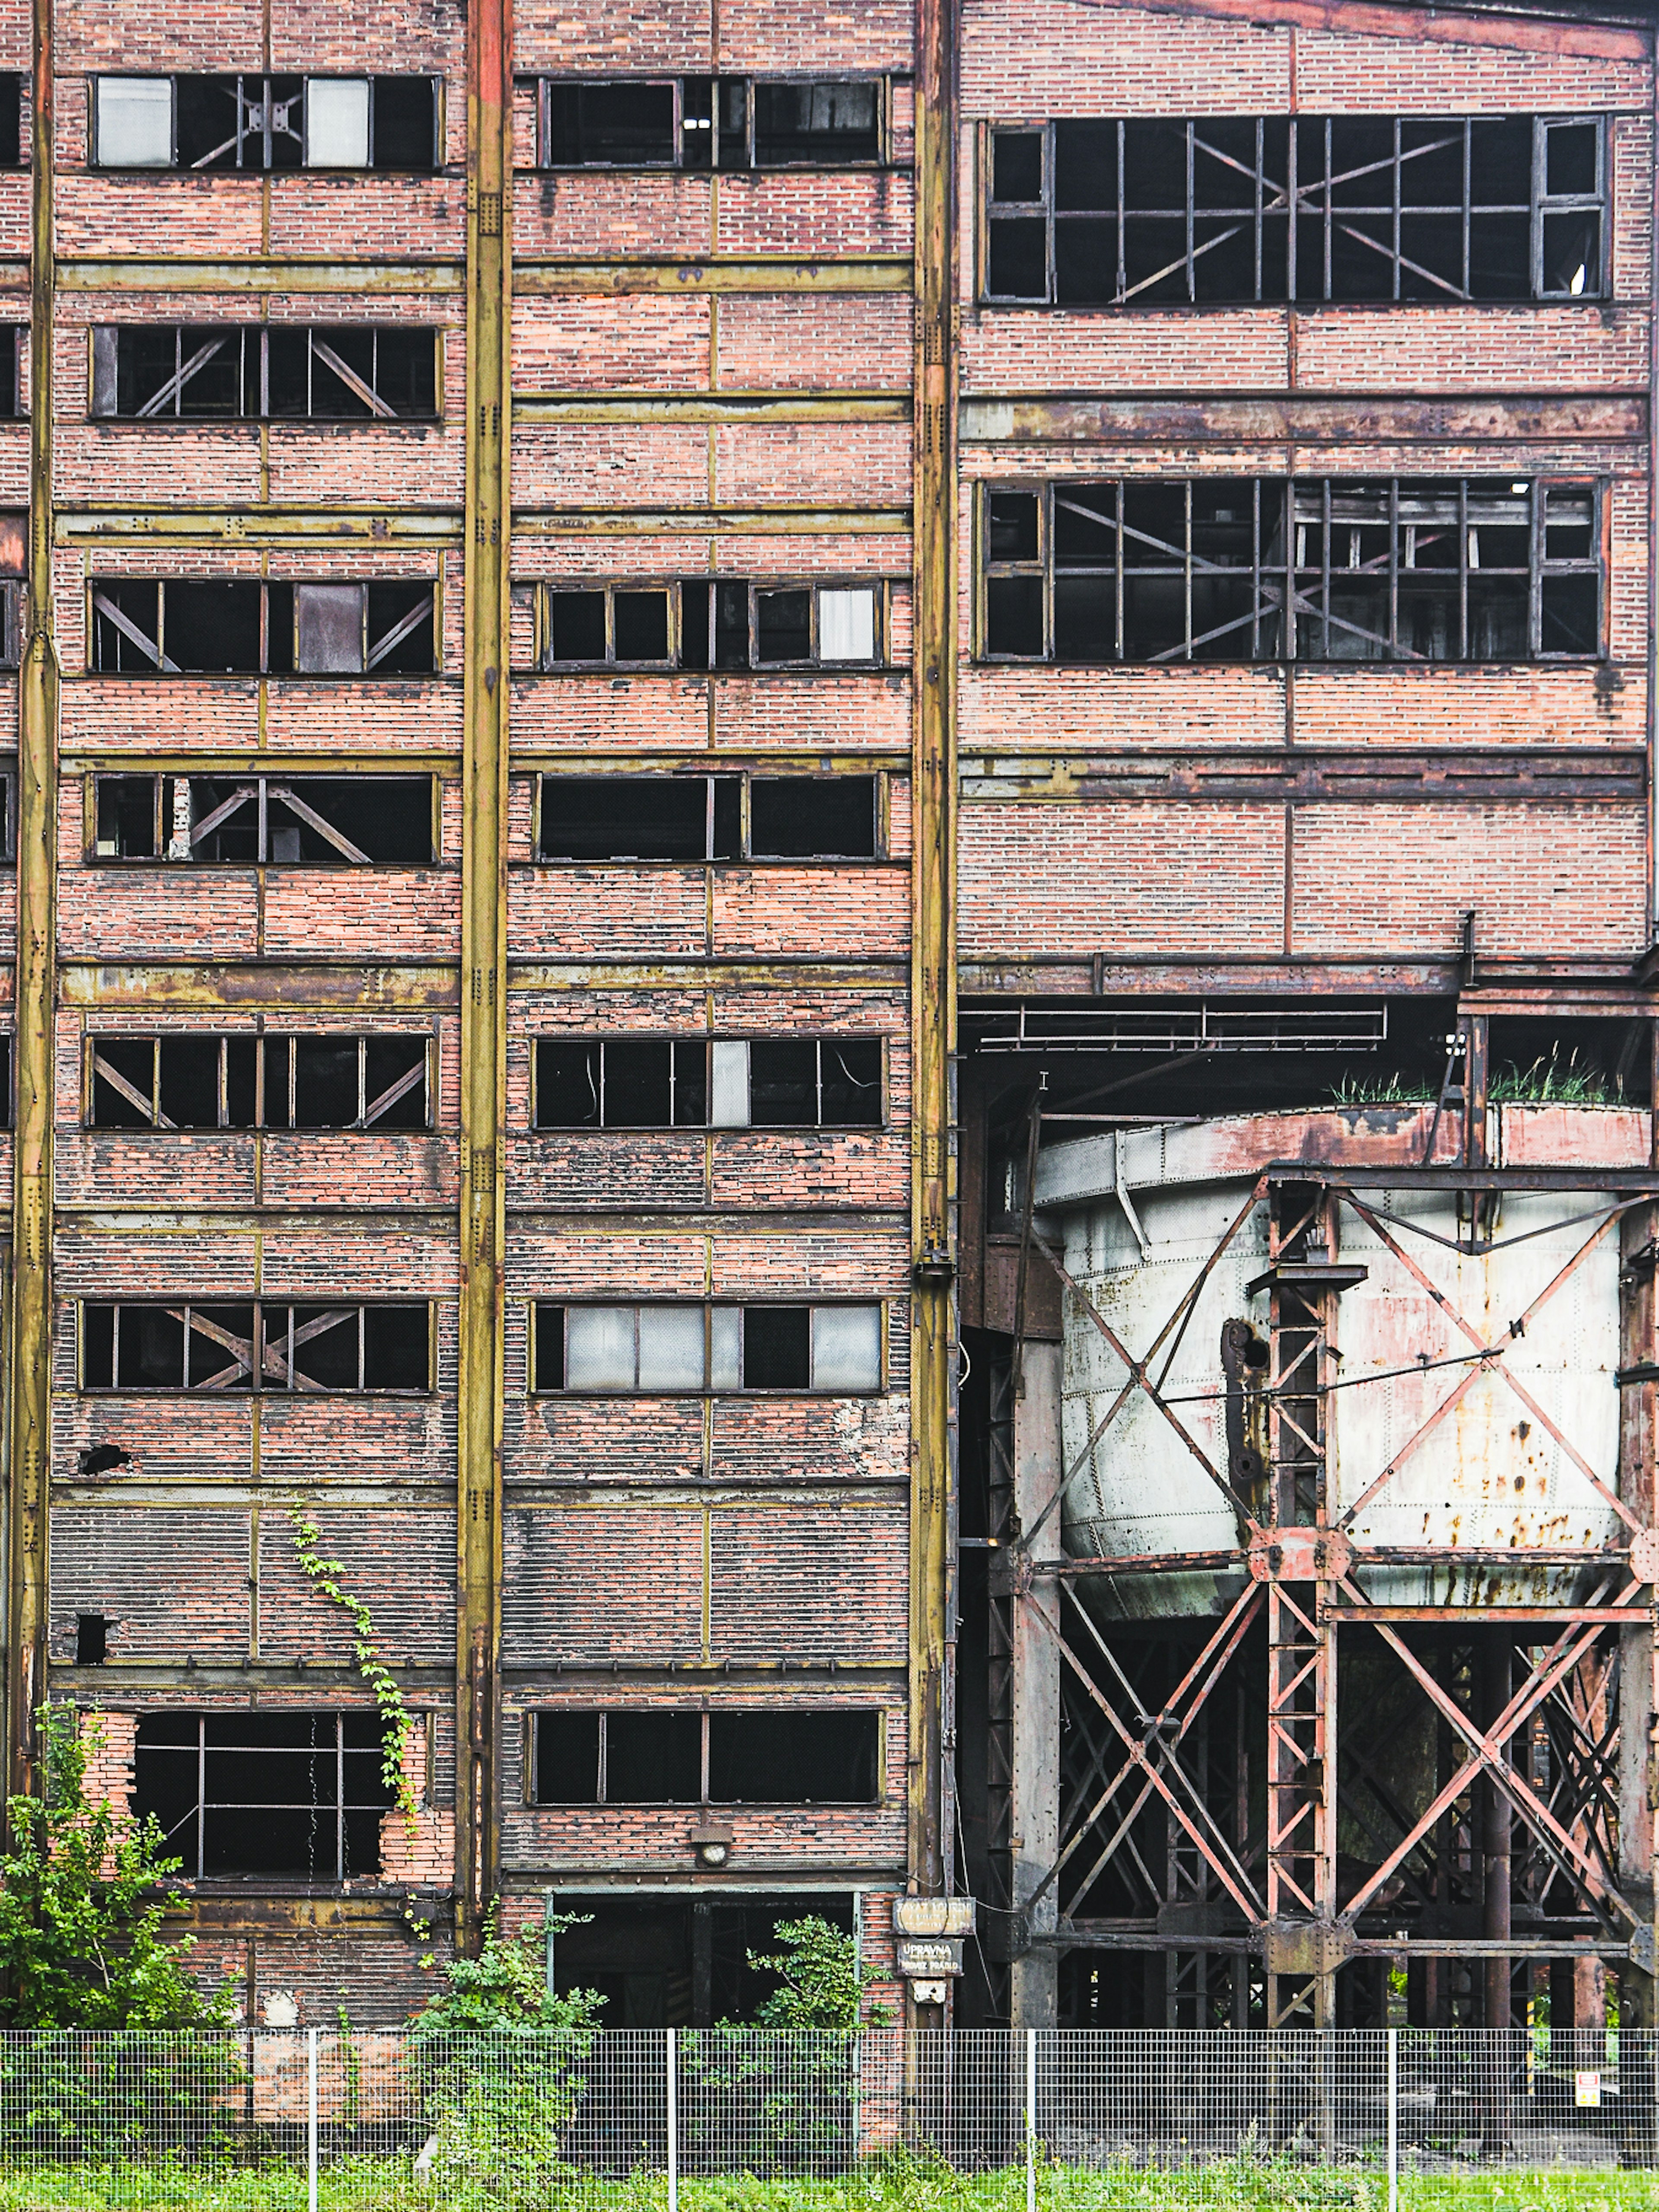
(484, 958)
(28, 1366)
(933, 981)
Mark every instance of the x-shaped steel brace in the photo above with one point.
(1490, 1355)
(1151, 1751)
(1487, 1747)
(1139, 1371)
(241, 1348)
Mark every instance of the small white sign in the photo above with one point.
(1587, 2089)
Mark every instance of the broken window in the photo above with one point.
(172, 1345)
(1231, 210)
(295, 1795)
(334, 372)
(705, 624)
(302, 821)
(695, 1349)
(245, 626)
(707, 818)
(236, 122)
(659, 1083)
(711, 123)
(763, 1756)
(1237, 568)
(180, 1081)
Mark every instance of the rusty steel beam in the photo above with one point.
(1408, 775)
(416, 988)
(85, 524)
(1368, 19)
(481, 1381)
(1490, 1616)
(788, 519)
(933, 1360)
(28, 1366)
(153, 273)
(712, 273)
(1273, 419)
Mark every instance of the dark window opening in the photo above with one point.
(701, 623)
(1234, 209)
(178, 1081)
(312, 822)
(11, 350)
(672, 1348)
(1242, 569)
(238, 122)
(670, 1962)
(333, 373)
(711, 123)
(177, 1345)
(298, 1796)
(597, 1083)
(698, 818)
(776, 1755)
(224, 627)
(91, 1639)
(11, 120)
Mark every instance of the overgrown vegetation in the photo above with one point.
(397, 1723)
(1546, 1081)
(823, 1984)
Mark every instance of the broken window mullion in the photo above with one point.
(352, 381)
(152, 648)
(395, 636)
(318, 822)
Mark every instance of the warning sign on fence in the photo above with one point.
(1587, 2089)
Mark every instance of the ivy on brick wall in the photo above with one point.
(397, 1722)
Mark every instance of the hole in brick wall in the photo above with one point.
(91, 1639)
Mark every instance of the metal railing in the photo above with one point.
(388, 2119)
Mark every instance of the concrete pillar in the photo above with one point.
(1033, 1980)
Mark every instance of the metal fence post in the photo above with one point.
(1393, 2119)
(311, 2119)
(670, 2039)
(1030, 2119)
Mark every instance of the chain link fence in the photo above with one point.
(380, 2120)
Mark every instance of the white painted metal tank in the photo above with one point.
(1140, 1215)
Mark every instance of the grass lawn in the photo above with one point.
(895, 2185)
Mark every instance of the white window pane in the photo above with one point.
(670, 1347)
(846, 1347)
(846, 625)
(329, 622)
(337, 122)
(598, 1348)
(728, 1092)
(135, 122)
(726, 1348)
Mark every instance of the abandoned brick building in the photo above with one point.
(856, 805)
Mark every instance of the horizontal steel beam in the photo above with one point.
(714, 273)
(1637, 1182)
(416, 987)
(1489, 1616)
(1272, 418)
(1366, 18)
(192, 273)
(1511, 775)
(554, 407)
(786, 519)
(259, 525)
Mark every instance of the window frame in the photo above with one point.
(1539, 205)
(263, 787)
(204, 1804)
(260, 1040)
(745, 857)
(544, 590)
(707, 1125)
(150, 417)
(1541, 567)
(260, 1346)
(707, 1307)
(530, 1762)
(544, 80)
(172, 167)
(100, 609)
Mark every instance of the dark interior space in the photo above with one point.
(681, 1960)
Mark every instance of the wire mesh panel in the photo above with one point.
(391, 2120)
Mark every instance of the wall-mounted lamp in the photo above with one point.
(712, 1842)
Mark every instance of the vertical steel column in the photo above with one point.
(932, 987)
(29, 1364)
(484, 951)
